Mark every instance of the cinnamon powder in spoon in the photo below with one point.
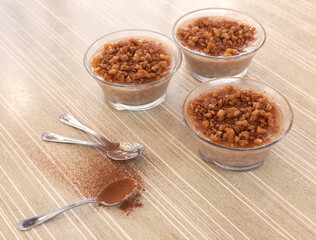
(117, 191)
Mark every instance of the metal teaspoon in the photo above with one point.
(115, 155)
(32, 222)
(112, 148)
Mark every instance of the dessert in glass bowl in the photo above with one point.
(236, 121)
(218, 42)
(133, 67)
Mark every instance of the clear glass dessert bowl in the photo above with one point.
(238, 158)
(205, 67)
(134, 97)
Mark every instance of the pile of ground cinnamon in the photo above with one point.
(101, 171)
(132, 203)
(117, 191)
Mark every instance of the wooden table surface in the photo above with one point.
(42, 44)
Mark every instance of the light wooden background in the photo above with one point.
(42, 43)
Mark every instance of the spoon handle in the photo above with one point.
(32, 222)
(53, 137)
(71, 121)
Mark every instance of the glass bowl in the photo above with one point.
(204, 67)
(134, 97)
(238, 158)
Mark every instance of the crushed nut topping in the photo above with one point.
(132, 61)
(234, 117)
(216, 36)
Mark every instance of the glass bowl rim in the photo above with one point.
(174, 70)
(284, 133)
(217, 57)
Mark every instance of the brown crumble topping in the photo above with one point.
(216, 36)
(132, 61)
(234, 117)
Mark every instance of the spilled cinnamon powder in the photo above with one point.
(117, 191)
(132, 203)
(88, 171)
